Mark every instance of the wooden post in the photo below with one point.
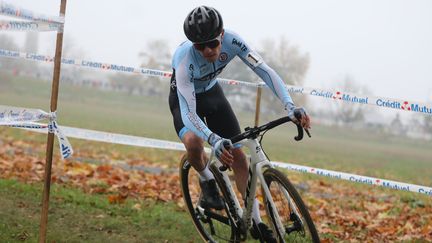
(258, 106)
(50, 139)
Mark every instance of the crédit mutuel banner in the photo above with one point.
(343, 96)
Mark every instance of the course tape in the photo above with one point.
(29, 26)
(162, 144)
(352, 98)
(401, 186)
(85, 63)
(7, 9)
(26, 118)
(116, 138)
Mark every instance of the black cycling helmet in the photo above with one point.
(203, 24)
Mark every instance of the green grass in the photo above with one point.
(373, 155)
(78, 217)
(341, 149)
(93, 109)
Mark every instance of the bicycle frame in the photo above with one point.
(239, 219)
(258, 161)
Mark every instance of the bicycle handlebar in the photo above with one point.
(255, 132)
(252, 133)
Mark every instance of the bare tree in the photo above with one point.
(8, 66)
(156, 55)
(427, 119)
(397, 127)
(288, 61)
(31, 45)
(71, 49)
(285, 59)
(8, 43)
(427, 123)
(347, 113)
(72, 73)
(130, 83)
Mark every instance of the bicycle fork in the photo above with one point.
(273, 213)
(259, 161)
(234, 208)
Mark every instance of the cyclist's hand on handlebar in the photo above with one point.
(223, 152)
(299, 116)
(222, 148)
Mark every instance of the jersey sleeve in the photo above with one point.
(187, 100)
(253, 60)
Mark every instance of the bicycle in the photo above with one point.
(285, 211)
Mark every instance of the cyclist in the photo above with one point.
(200, 111)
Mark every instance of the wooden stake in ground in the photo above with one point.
(50, 139)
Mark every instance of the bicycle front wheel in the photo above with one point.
(296, 221)
(213, 225)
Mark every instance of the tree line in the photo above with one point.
(288, 60)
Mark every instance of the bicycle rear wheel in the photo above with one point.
(297, 223)
(213, 225)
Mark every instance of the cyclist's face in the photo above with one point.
(210, 50)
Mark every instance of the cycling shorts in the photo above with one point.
(211, 106)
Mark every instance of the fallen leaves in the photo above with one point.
(341, 211)
(118, 198)
(369, 215)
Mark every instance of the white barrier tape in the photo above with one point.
(85, 63)
(29, 26)
(348, 97)
(116, 138)
(26, 118)
(10, 115)
(352, 98)
(65, 146)
(16, 12)
(162, 144)
(26, 125)
(333, 95)
(357, 178)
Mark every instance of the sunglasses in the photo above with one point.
(210, 44)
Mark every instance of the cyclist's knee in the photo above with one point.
(194, 144)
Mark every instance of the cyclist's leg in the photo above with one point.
(240, 168)
(195, 150)
(194, 145)
(222, 121)
(196, 155)
(198, 159)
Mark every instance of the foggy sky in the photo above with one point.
(383, 44)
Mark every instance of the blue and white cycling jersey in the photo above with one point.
(194, 74)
